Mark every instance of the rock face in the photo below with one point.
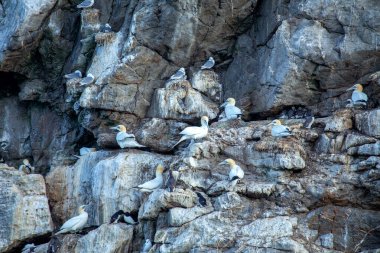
(24, 212)
(315, 191)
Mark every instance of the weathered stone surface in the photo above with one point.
(341, 121)
(178, 216)
(260, 190)
(207, 82)
(354, 140)
(366, 149)
(108, 238)
(180, 101)
(24, 212)
(368, 123)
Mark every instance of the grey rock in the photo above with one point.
(179, 216)
(327, 241)
(24, 209)
(368, 123)
(227, 201)
(366, 149)
(354, 140)
(207, 82)
(260, 190)
(342, 120)
(108, 238)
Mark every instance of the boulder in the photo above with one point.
(368, 123)
(207, 82)
(24, 212)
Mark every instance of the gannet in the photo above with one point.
(279, 130)
(194, 132)
(75, 74)
(124, 139)
(155, 183)
(106, 28)
(131, 218)
(308, 122)
(75, 223)
(147, 246)
(208, 64)
(87, 80)
(358, 96)
(201, 200)
(357, 104)
(180, 74)
(86, 4)
(236, 173)
(26, 167)
(230, 110)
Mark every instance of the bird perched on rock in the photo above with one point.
(308, 122)
(180, 74)
(172, 180)
(147, 246)
(278, 130)
(193, 132)
(358, 96)
(201, 200)
(236, 173)
(75, 74)
(155, 183)
(76, 223)
(26, 167)
(28, 248)
(106, 28)
(117, 217)
(124, 139)
(121, 216)
(86, 4)
(89, 79)
(230, 110)
(209, 63)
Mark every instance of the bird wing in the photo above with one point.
(87, 80)
(123, 136)
(191, 130)
(208, 64)
(152, 184)
(179, 74)
(71, 222)
(359, 96)
(232, 112)
(86, 3)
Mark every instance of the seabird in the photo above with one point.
(131, 218)
(236, 173)
(76, 107)
(124, 139)
(86, 4)
(155, 183)
(117, 217)
(357, 104)
(358, 96)
(194, 132)
(147, 246)
(230, 110)
(106, 28)
(171, 182)
(87, 80)
(28, 248)
(201, 200)
(308, 122)
(180, 74)
(209, 63)
(75, 223)
(279, 130)
(75, 74)
(26, 167)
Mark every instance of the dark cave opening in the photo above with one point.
(9, 83)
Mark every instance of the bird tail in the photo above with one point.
(60, 232)
(180, 140)
(234, 178)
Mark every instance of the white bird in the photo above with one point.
(155, 183)
(84, 151)
(358, 96)
(194, 132)
(230, 110)
(278, 130)
(131, 218)
(357, 104)
(180, 74)
(209, 63)
(124, 139)
(75, 74)
(86, 4)
(236, 173)
(147, 246)
(308, 122)
(87, 80)
(26, 167)
(75, 223)
(106, 28)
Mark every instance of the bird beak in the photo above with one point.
(270, 124)
(223, 105)
(223, 163)
(114, 128)
(352, 88)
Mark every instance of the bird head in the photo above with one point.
(160, 169)
(182, 70)
(275, 122)
(120, 128)
(229, 101)
(26, 162)
(204, 121)
(82, 208)
(229, 162)
(357, 87)
(78, 73)
(90, 75)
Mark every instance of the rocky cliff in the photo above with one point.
(315, 191)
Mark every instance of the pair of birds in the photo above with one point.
(89, 79)
(26, 167)
(358, 97)
(181, 73)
